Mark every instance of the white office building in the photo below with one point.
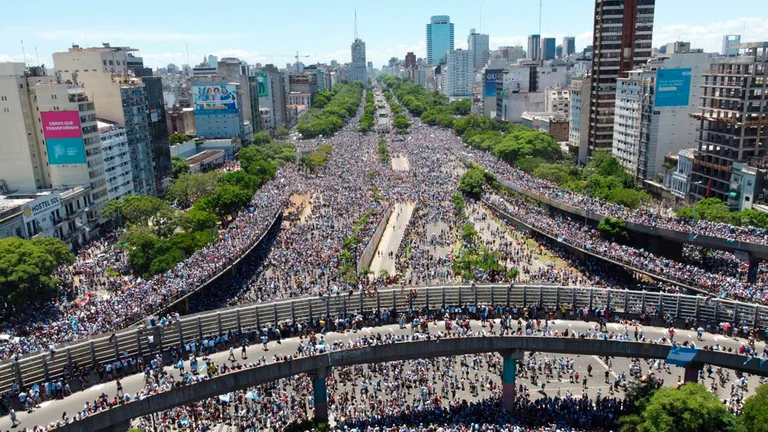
(117, 159)
(557, 100)
(459, 74)
(653, 108)
(478, 44)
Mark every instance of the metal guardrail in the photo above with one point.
(46, 366)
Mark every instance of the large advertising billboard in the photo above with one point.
(63, 137)
(673, 87)
(262, 84)
(215, 99)
(490, 81)
(41, 206)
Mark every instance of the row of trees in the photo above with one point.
(383, 150)
(314, 160)
(715, 210)
(343, 102)
(369, 111)
(347, 262)
(158, 234)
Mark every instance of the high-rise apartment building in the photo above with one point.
(119, 96)
(478, 44)
(358, 70)
(569, 46)
(548, 48)
(50, 141)
(733, 121)
(534, 47)
(439, 39)
(459, 75)
(623, 30)
(410, 60)
(117, 159)
(728, 41)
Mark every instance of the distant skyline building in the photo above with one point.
(569, 45)
(534, 47)
(439, 39)
(512, 52)
(728, 40)
(410, 59)
(548, 48)
(479, 45)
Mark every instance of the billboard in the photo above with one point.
(490, 81)
(673, 87)
(44, 205)
(215, 99)
(262, 84)
(63, 137)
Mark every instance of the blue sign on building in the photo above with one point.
(673, 87)
(490, 81)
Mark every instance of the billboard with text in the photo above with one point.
(673, 87)
(215, 99)
(262, 84)
(490, 81)
(63, 137)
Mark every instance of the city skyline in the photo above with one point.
(271, 40)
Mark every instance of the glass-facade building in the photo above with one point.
(439, 38)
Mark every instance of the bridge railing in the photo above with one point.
(192, 328)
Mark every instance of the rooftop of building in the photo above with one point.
(10, 201)
(106, 125)
(204, 156)
(688, 153)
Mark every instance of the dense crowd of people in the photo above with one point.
(330, 216)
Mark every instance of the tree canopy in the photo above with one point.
(27, 269)
(344, 102)
(691, 408)
(613, 229)
(715, 210)
(179, 166)
(754, 417)
(261, 138)
(472, 182)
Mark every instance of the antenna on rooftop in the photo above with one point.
(186, 45)
(23, 52)
(355, 24)
(541, 2)
(38, 56)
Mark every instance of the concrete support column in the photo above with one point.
(508, 377)
(692, 370)
(752, 264)
(320, 394)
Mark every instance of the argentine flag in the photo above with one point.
(681, 356)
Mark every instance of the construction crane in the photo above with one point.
(296, 56)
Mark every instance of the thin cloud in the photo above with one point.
(133, 37)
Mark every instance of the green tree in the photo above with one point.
(472, 182)
(691, 408)
(461, 107)
(458, 203)
(557, 173)
(27, 269)
(178, 138)
(190, 187)
(754, 418)
(401, 123)
(282, 132)
(711, 209)
(229, 199)
(179, 166)
(140, 209)
(261, 138)
(241, 179)
(613, 228)
(113, 210)
(196, 219)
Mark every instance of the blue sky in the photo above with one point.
(271, 31)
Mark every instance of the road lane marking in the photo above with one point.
(602, 363)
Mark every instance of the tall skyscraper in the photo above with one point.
(534, 47)
(478, 44)
(728, 40)
(622, 41)
(358, 70)
(569, 46)
(548, 48)
(439, 38)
